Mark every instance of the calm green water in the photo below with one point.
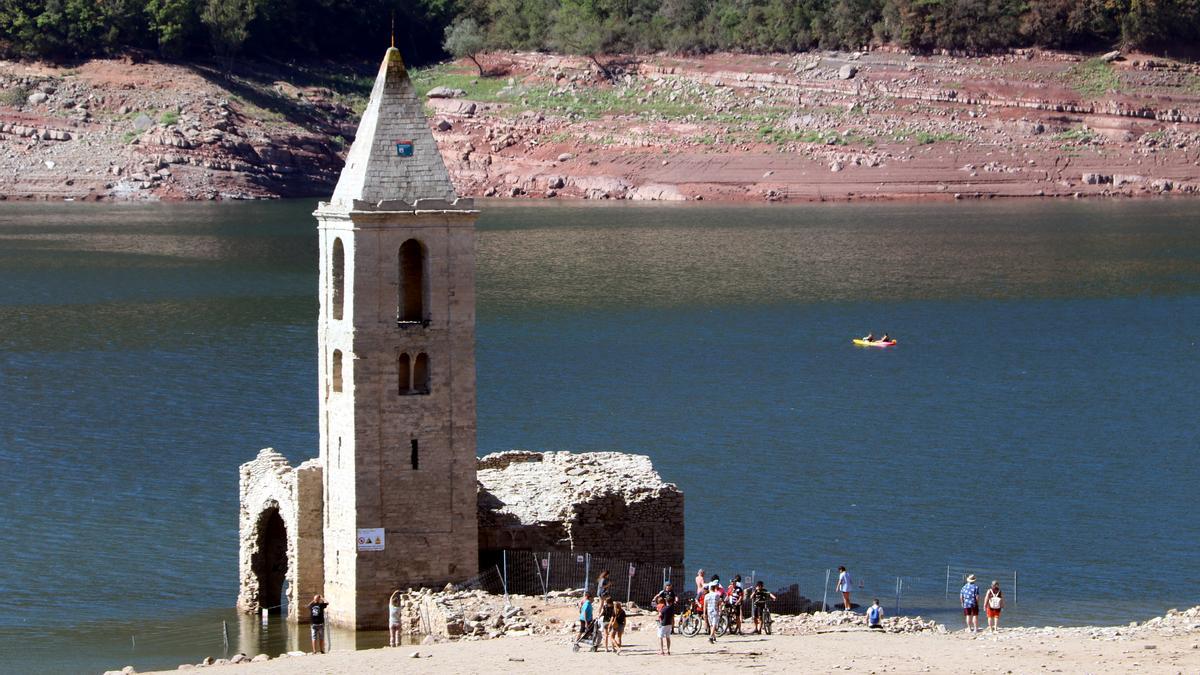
(1039, 414)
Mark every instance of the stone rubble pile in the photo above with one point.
(1175, 622)
(467, 614)
(806, 624)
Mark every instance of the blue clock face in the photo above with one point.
(404, 148)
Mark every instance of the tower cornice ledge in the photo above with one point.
(460, 205)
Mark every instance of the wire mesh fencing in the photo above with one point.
(543, 573)
(957, 573)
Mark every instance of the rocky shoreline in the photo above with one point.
(807, 127)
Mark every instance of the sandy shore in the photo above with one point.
(858, 650)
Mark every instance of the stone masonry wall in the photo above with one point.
(269, 484)
(604, 503)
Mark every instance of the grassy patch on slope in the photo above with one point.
(1093, 78)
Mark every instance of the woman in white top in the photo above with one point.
(843, 586)
(394, 619)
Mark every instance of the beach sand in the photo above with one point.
(1022, 651)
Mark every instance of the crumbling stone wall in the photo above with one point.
(604, 503)
(268, 485)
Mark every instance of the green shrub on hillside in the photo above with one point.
(14, 96)
(338, 28)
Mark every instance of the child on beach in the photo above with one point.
(666, 620)
(394, 619)
(316, 612)
(874, 614)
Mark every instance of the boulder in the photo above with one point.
(445, 92)
(1111, 56)
(37, 98)
(444, 125)
(142, 122)
(847, 72)
(260, 658)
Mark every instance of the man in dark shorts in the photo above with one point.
(969, 597)
(316, 610)
(666, 595)
(758, 598)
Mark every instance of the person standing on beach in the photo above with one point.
(712, 609)
(618, 626)
(666, 595)
(993, 602)
(733, 599)
(758, 599)
(699, 583)
(969, 598)
(874, 614)
(316, 610)
(585, 613)
(607, 612)
(394, 619)
(666, 621)
(844, 584)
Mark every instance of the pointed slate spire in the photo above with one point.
(394, 156)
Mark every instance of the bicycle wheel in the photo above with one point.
(691, 625)
(766, 621)
(722, 625)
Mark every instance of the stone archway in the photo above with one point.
(269, 561)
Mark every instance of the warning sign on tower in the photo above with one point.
(370, 539)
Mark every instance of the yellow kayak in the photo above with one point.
(874, 343)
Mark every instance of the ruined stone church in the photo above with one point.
(396, 497)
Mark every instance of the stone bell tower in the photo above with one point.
(396, 346)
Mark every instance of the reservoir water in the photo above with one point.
(1038, 416)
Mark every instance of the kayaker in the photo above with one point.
(885, 338)
(869, 338)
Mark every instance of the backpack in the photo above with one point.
(996, 601)
(873, 615)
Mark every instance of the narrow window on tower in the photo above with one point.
(413, 283)
(421, 374)
(404, 383)
(337, 370)
(415, 456)
(337, 278)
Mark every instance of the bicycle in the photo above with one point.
(764, 617)
(727, 623)
(691, 621)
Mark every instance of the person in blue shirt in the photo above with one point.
(969, 598)
(585, 613)
(874, 615)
